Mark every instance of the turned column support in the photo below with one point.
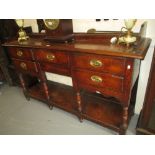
(78, 96)
(45, 87)
(25, 91)
(124, 121)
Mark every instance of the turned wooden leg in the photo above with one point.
(79, 106)
(45, 87)
(24, 87)
(47, 95)
(124, 122)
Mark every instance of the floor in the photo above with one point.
(21, 117)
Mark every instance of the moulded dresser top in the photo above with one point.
(137, 51)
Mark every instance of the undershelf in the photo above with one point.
(61, 95)
(37, 92)
(102, 111)
(97, 109)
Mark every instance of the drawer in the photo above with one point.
(99, 63)
(26, 66)
(21, 53)
(54, 68)
(100, 80)
(55, 57)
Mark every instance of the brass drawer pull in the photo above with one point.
(19, 53)
(50, 57)
(96, 78)
(95, 63)
(23, 65)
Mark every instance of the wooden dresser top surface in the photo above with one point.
(84, 45)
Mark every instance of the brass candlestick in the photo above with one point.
(22, 34)
(128, 38)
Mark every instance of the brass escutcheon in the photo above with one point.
(19, 53)
(96, 78)
(50, 57)
(23, 65)
(95, 63)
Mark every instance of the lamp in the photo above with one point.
(21, 32)
(128, 38)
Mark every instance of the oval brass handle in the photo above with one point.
(96, 78)
(95, 63)
(50, 57)
(23, 65)
(19, 53)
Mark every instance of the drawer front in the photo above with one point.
(26, 66)
(54, 68)
(21, 53)
(99, 63)
(100, 80)
(52, 56)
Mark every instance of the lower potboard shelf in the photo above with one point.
(100, 110)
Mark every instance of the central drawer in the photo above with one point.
(53, 61)
(100, 80)
(99, 63)
(50, 56)
(55, 68)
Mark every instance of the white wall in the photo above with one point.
(32, 23)
(82, 25)
(145, 66)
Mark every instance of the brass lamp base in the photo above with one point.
(22, 36)
(128, 37)
(127, 40)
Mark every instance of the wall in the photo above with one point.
(82, 25)
(145, 66)
(110, 25)
(32, 23)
